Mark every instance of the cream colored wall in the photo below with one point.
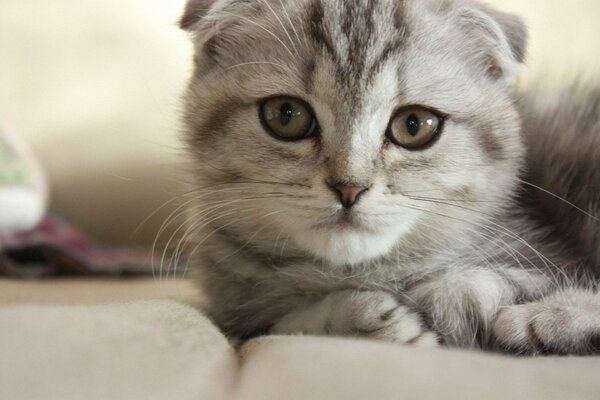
(564, 38)
(93, 86)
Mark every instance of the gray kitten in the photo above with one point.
(363, 168)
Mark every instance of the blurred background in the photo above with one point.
(94, 85)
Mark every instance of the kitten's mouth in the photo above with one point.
(344, 219)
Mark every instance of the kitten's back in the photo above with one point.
(561, 183)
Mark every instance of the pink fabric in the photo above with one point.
(55, 247)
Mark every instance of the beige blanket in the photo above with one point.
(162, 349)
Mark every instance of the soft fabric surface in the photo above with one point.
(162, 349)
(144, 350)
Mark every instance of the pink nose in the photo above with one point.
(348, 194)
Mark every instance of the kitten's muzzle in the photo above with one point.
(348, 194)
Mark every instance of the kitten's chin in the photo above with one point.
(348, 246)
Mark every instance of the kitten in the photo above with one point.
(363, 168)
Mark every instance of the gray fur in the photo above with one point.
(448, 239)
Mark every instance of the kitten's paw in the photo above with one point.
(376, 315)
(556, 326)
(379, 315)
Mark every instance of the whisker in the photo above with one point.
(281, 233)
(197, 246)
(200, 223)
(563, 200)
(152, 214)
(451, 200)
(250, 239)
(499, 228)
(176, 213)
(291, 23)
(201, 214)
(282, 25)
(248, 20)
(256, 63)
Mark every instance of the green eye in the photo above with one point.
(414, 127)
(288, 118)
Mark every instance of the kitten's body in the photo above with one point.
(463, 233)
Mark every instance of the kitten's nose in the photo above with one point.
(348, 194)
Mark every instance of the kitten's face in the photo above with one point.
(354, 66)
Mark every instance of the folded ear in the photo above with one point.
(194, 11)
(500, 39)
(513, 28)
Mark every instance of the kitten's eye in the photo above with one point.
(288, 119)
(414, 127)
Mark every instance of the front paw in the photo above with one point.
(376, 315)
(379, 315)
(558, 326)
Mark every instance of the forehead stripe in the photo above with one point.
(318, 32)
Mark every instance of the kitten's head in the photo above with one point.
(351, 128)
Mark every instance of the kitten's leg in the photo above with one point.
(376, 315)
(563, 323)
(462, 302)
